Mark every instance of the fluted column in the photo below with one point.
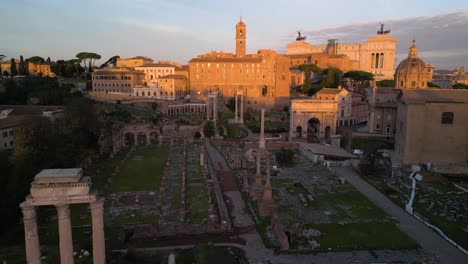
(31, 238)
(97, 218)
(65, 234)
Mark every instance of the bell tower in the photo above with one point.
(241, 38)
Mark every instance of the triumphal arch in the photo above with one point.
(61, 188)
(312, 118)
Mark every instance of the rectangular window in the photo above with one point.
(447, 118)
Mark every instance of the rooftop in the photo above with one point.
(58, 175)
(434, 96)
(11, 121)
(30, 109)
(328, 150)
(117, 71)
(173, 76)
(155, 65)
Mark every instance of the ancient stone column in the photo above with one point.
(31, 238)
(160, 138)
(148, 139)
(242, 110)
(215, 109)
(258, 160)
(208, 108)
(267, 183)
(65, 234)
(262, 130)
(202, 156)
(97, 218)
(235, 111)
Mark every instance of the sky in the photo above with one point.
(178, 30)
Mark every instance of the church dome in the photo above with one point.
(412, 71)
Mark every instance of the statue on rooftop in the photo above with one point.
(382, 31)
(299, 36)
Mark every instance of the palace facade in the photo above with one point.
(376, 55)
(262, 78)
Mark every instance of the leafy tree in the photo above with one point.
(5, 74)
(13, 69)
(386, 83)
(333, 79)
(359, 79)
(286, 108)
(197, 135)
(432, 85)
(88, 59)
(231, 104)
(23, 69)
(48, 60)
(285, 157)
(308, 69)
(209, 129)
(460, 86)
(154, 106)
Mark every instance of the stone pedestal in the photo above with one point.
(65, 234)
(160, 138)
(31, 238)
(266, 205)
(99, 247)
(257, 188)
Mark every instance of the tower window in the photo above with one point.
(241, 33)
(241, 44)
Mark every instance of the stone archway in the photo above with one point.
(154, 137)
(129, 139)
(313, 130)
(299, 132)
(141, 139)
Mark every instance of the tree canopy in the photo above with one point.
(460, 86)
(36, 59)
(308, 69)
(432, 85)
(359, 75)
(386, 83)
(13, 69)
(333, 79)
(88, 58)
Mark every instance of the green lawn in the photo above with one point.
(141, 175)
(197, 194)
(371, 145)
(354, 236)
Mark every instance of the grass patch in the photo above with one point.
(355, 236)
(371, 145)
(141, 175)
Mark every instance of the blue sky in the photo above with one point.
(178, 30)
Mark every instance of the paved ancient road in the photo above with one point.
(429, 240)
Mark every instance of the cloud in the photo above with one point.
(441, 39)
